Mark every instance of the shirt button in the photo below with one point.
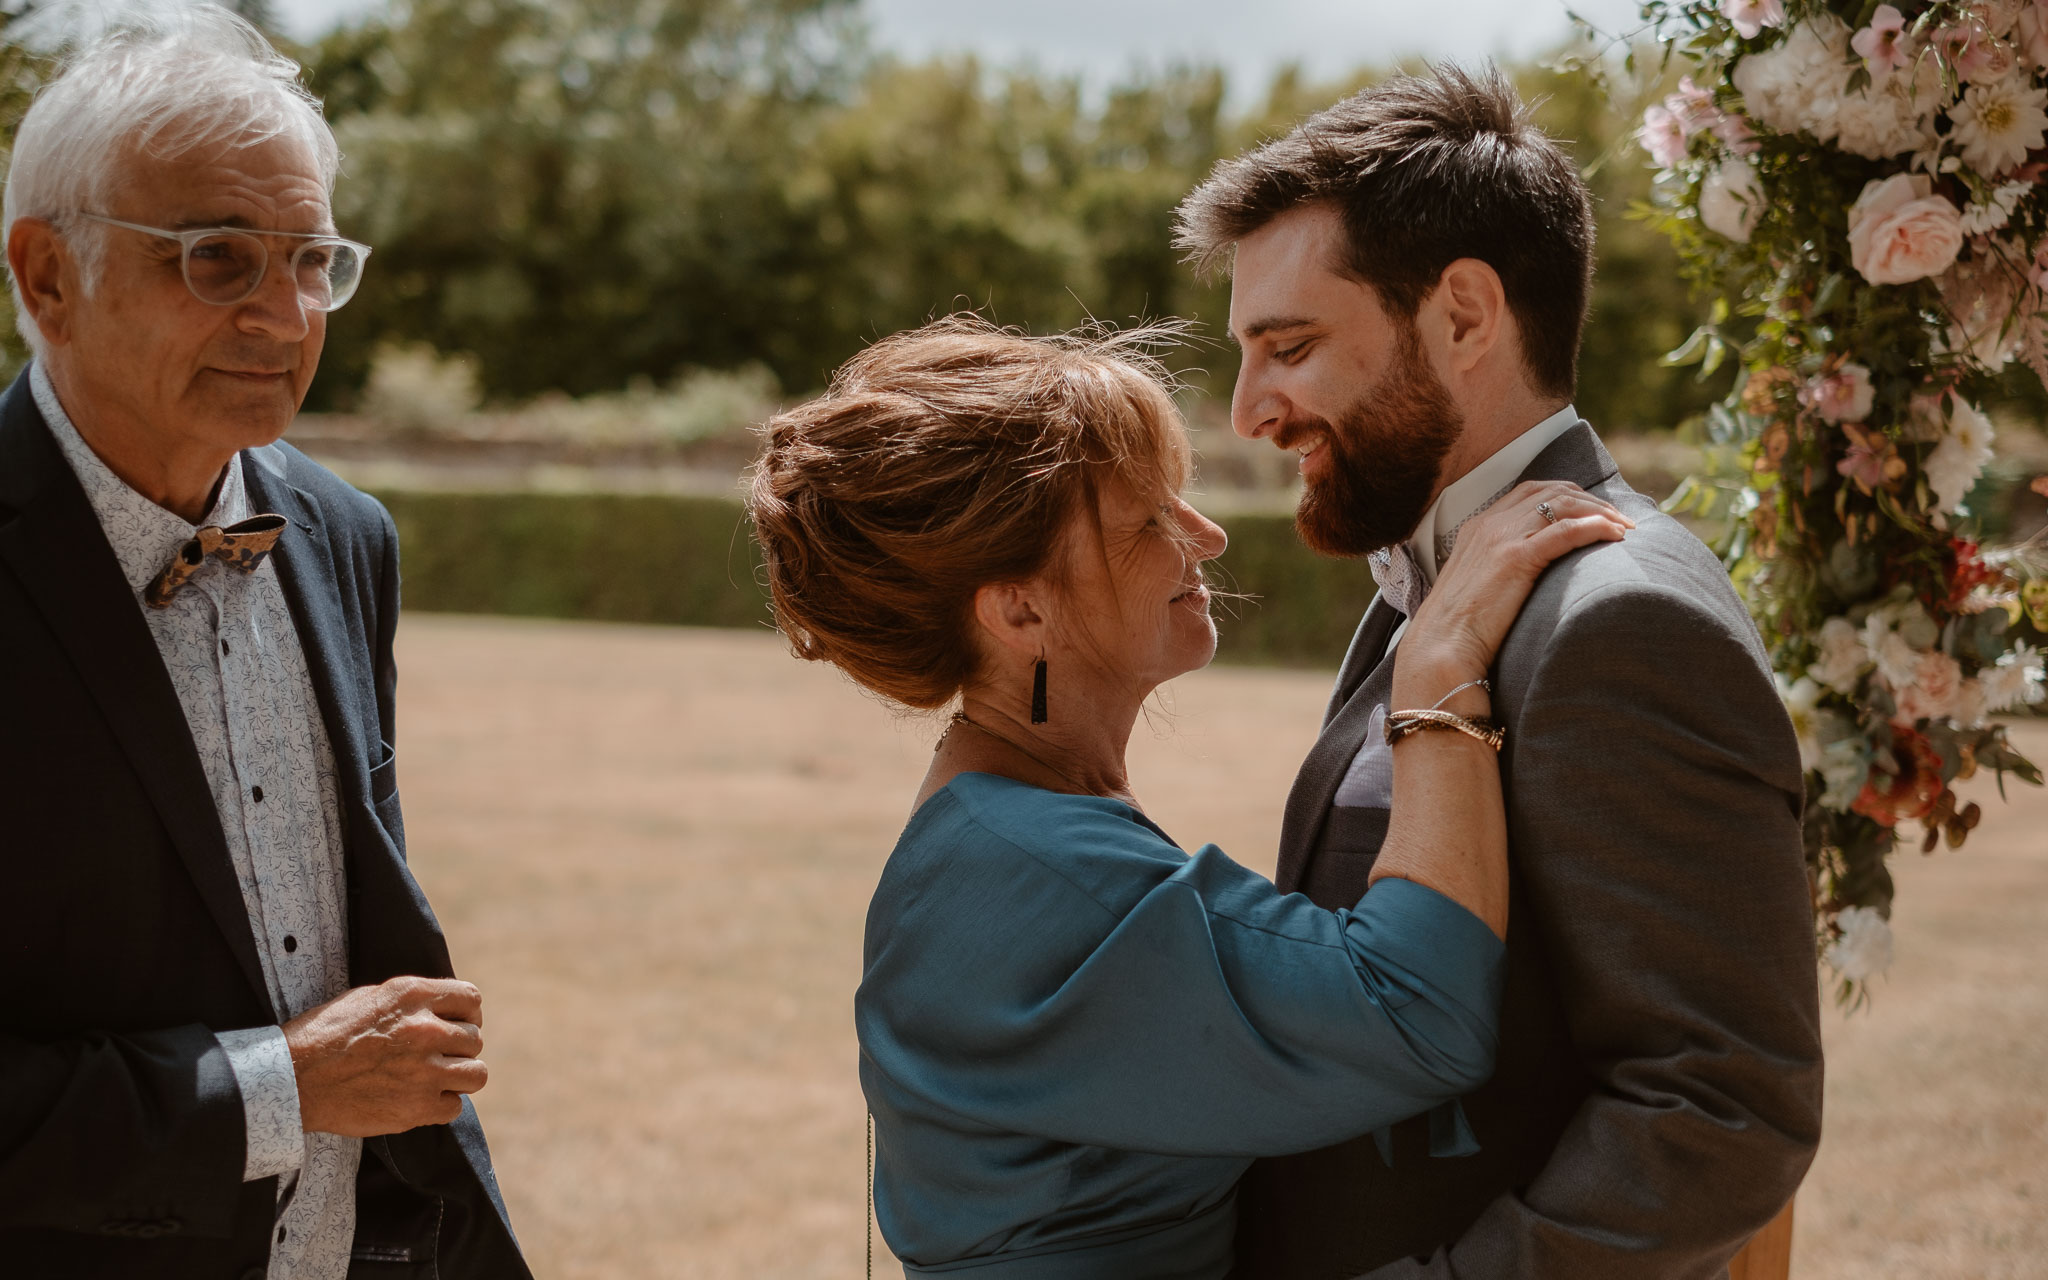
(290, 943)
(224, 647)
(280, 1235)
(256, 794)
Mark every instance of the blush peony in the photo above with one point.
(1900, 232)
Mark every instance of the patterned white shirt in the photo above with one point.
(233, 654)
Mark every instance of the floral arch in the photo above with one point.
(1859, 187)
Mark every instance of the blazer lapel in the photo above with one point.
(1577, 456)
(391, 927)
(55, 546)
(305, 571)
(1344, 725)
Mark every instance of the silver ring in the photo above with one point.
(1549, 516)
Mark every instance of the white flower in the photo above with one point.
(1793, 86)
(1844, 768)
(1995, 210)
(1998, 122)
(1752, 16)
(1865, 948)
(1802, 706)
(1798, 87)
(1937, 683)
(1954, 465)
(2016, 681)
(1885, 639)
(1843, 659)
(1896, 113)
(1731, 200)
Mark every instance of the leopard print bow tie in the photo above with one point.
(241, 546)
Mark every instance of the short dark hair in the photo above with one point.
(1424, 170)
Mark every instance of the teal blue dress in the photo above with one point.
(1075, 1037)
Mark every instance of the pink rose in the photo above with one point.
(1936, 689)
(1843, 396)
(1899, 231)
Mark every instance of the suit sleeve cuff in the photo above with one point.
(262, 1063)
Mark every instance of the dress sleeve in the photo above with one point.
(1202, 1013)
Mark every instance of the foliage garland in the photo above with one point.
(1859, 188)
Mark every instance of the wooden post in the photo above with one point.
(1768, 1255)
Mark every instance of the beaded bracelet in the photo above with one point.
(1402, 723)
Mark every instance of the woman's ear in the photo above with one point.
(1011, 615)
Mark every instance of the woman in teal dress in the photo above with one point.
(1074, 1035)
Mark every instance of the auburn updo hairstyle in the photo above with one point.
(939, 461)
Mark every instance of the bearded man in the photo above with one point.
(1410, 275)
(231, 1043)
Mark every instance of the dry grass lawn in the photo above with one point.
(654, 848)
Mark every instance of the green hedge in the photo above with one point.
(691, 561)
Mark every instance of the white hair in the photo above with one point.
(162, 80)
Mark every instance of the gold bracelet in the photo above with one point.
(1402, 723)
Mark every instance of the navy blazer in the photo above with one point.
(124, 942)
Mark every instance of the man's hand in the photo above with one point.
(388, 1058)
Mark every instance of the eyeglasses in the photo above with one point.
(224, 266)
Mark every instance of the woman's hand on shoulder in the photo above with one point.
(1500, 553)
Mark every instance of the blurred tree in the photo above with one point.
(581, 193)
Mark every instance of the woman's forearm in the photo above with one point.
(1448, 828)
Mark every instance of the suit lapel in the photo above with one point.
(54, 545)
(305, 571)
(1344, 725)
(1577, 456)
(391, 927)
(1368, 645)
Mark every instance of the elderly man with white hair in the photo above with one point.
(231, 1042)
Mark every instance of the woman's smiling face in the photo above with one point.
(1134, 605)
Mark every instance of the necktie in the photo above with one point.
(241, 546)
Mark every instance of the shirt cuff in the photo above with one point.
(262, 1063)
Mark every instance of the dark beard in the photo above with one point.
(1386, 455)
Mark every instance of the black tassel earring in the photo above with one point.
(1038, 693)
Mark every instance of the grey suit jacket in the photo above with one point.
(1658, 1093)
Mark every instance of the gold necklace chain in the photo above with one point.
(961, 717)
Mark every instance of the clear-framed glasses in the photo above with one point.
(224, 265)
